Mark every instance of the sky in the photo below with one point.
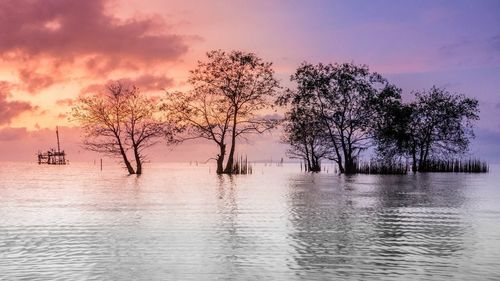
(53, 51)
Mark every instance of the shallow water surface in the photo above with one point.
(182, 222)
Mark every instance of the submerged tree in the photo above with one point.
(201, 115)
(119, 121)
(438, 123)
(305, 134)
(229, 93)
(346, 98)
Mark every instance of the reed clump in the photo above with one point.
(241, 166)
(382, 168)
(456, 166)
(430, 166)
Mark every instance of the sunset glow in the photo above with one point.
(52, 52)
(290, 140)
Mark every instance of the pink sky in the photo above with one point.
(52, 51)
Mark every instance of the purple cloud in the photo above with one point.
(145, 83)
(63, 28)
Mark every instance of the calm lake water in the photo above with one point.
(180, 222)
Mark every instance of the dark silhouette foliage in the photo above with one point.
(437, 125)
(347, 99)
(305, 134)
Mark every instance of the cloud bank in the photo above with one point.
(47, 42)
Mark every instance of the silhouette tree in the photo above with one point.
(346, 97)
(119, 121)
(201, 115)
(305, 134)
(229, 93)
(391, 126)
(437, 124)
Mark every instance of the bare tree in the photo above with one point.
(201, 115)
(120, 121)
(229, 93)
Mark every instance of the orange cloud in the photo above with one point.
(63, 102)
(34, 81)
(49, 42)
(10, 109)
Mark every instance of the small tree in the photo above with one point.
(438, 123)
(305, 134)
(119, 121)
(228, 96)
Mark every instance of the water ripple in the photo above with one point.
(179, 222)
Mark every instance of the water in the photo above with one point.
(180, 222)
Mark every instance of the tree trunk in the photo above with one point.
(347, 155)
(335, 146)
(220, 159)
(339, 163)
(125, 159)
(314, 161)
(138, 161)
(316, 167)
(425, 157)
(230, 158)
(308, 156)
(414, 163)
(421, 162)
(349, 166)
(230, 161)
(127, 164)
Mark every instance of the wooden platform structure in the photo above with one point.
(52, 156)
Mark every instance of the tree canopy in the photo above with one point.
(228, 96)
(346, 99)
(436, 124)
